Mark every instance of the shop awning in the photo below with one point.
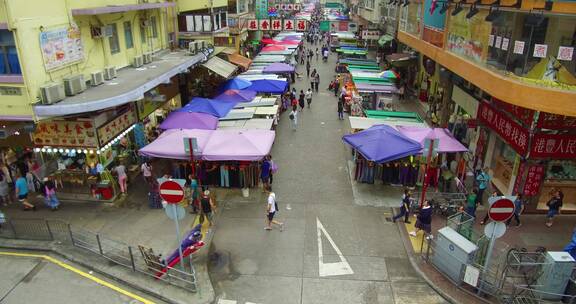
(384, 39)
(240, 60)
(220, 67)
(446, 142)
(129, 85)
(382, 143)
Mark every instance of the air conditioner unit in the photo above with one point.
(192, 50)
(74, 85)
(138, 61)
(109, 72)
(52, 92)
(96, 78)
(107, 31)
(147, 58)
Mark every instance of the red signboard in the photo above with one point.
(252, 25)
(518, 181)
(171, 192)
(534, 180)
(526, 116)
(555, 122)
(301, 25)
(288, 25)
(276, 25)
(512, 132)
(343, 26)
(264, 24)
(553, 146)
(501, 210)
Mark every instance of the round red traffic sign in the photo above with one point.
(501, 210)
(171, 192)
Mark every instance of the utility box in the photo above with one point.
(556, 273)
(452, 253)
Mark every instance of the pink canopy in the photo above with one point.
(447, 142)
(288, 42)
(273, 48)
(214, 145)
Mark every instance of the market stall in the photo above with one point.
(269, 86)
(189, 120)
(238, 96)
(213, 107)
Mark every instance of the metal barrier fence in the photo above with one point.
(116, 252)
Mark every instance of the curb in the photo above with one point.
(414, 263)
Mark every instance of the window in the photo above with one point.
(241, 6)
(128, 35)
(143, 34)
(154, 27)
(113, 39)
(9, 63)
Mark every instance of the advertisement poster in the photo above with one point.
(432, 17)
(111, 129)
(63, 133)
(512, 132)
(469, 37)
(565, 53)
(498, 42)
(505, 43)
(518, 47)
(61, 47)
(534, 180)
(540, 50)
(491, 40)
(553, 146)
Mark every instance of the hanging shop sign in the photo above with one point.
(555, 121)
(252, 25)
(62, 133)
(511, 131)
(111, 129)
(533, 180)
(553, 146)
(370, 35)
(519, 47)
(61, 47)
(276, 25)
(519, 175)
(301, 25)
(526, 116)
(288, 25)
(264, 24)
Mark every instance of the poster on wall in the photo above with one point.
(505, 43)
(61, 47)
(518, 47)
(469, 37)
(540, 50)
(432, 16)
(491, 40)
(63, 133)
(498, 42)
(565, 53)
(533, 180)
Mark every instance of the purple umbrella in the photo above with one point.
(278, 68)
(237, 95)
(189, 120)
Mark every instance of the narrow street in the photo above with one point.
(362, 259)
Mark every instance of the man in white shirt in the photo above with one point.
(308, 96)
(271, 210)
(147, 171)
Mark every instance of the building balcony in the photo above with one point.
(504, 85)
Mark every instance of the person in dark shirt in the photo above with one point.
(423, 220)
(265, 173)
(405, 208)
(554, 205)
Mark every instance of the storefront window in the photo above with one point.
(537, 48)
(565, 170)
(504, 157)
(410, 17)
(468, 37)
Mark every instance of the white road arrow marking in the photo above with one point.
(330, 269)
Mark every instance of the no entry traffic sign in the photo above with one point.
(171, 192)
(501, 210)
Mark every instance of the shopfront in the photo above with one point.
(156, 105)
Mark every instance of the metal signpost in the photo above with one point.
(173, 193)
(191, 147)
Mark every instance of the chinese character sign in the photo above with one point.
(511, 131)
(64, 133)
(518, 181)
(289, 7)
(518, 47)
(288, 25)
(565, 53)
(505, 43)
(252, 25)
(534, 180)
(301, 25)
(296, 7)
(264, 24)
(111, 129)
(555, 121)
(526, 116)
(553, 146)
(276, 25)
(540, 50)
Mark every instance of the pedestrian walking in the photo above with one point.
(483, 179)
(194, 193)
(301, 100)
(518, 209)
(554, 206)
(120, 169)
(471, 202)
(207, 208)
(294, 102)
(313, 75)
(308, 68)
(423, 220)
(302, 57)
(309, 97)
(265, 170)
(317, 54)
(404, 208)
(271, 209)
(340, 110)
(317, 81)
(22, 192)
(5, 199)
(294, 118)
(146, 169)
(50, 198)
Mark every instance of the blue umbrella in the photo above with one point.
(268, 86)
(236, 84)
(236, 96)
(213, 107)
(382, 143)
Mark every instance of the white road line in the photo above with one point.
(171, 192)
(223, 301)
(330, 269)
(501, 210)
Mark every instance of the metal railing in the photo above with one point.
(114, 251)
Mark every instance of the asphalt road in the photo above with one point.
(333, 249)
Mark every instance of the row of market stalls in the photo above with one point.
(221, 140)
